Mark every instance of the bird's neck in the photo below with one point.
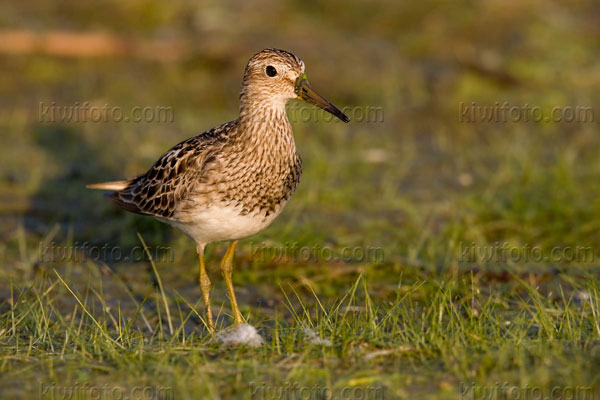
(265, 132)
(263, 118)
(259, 107)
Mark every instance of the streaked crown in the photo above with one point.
(272, 74)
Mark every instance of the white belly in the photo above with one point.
(217, 224)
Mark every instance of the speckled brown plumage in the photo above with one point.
(231, 181)
(219, 166)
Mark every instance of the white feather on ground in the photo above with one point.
(240, 334)
(313, 338)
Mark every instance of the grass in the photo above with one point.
(421, 333)
(459, 291)
(436, 336)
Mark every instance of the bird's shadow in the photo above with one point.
(87, 214)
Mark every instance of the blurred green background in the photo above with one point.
(372, 182)
(419, 183)
(381, 183)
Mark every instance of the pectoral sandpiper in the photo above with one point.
(231, 181)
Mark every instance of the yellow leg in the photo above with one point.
(227, 270)
(205, 288)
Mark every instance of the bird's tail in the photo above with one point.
(114, 185)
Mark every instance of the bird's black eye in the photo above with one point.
(271, 71)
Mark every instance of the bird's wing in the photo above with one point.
(159, 191)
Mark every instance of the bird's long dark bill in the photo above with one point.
(306, 93)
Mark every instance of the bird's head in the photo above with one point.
(277, 76)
